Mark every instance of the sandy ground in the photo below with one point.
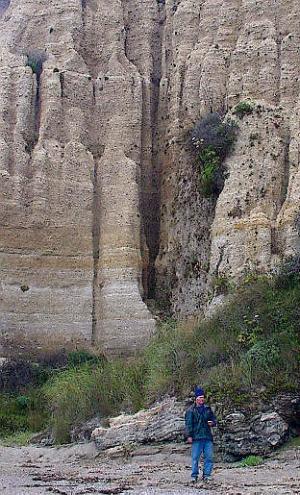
(80, 470)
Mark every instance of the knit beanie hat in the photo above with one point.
(198, 391)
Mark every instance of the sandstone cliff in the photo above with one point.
(100, 208)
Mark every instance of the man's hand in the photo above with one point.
(210, 423)
(189, 440)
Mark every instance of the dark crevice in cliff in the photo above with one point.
(152, 226)
(275, 242)
(286, 171)
(35, 61)
(96, 239)
(11, 120)
(278, 41)
(62, 84)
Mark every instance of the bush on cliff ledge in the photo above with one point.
(212, 139)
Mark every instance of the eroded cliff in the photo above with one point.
(100, 207)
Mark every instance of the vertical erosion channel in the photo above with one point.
(152, 222)
(35, 61)
(96, 236)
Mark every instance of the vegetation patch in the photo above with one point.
(221, 284)
(288, 273)
(21, 413)
(248, 351)
(243, 108)
(292, 443)
(82, 392)
(212, 139)
(251, 461)
(19, 438)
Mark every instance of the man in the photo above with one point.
(198, 420)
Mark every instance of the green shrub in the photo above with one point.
(22, 402)
(251, 461)
(243, 108)
(80, 357)
(212, 139)
(251, 343)
(22, 412)
(210, 163)
(163, 361)
(221, 284)
(213, 132)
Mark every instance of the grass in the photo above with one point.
(19, 438)
(252, 344)
(79, 393)
(251, 461)
(20, 412)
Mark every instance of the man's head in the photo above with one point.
(199, 396)
(200, 399)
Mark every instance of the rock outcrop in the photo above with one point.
(260, 435)
(100, 208)
(237, 435)
(161, 423)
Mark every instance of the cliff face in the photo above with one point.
(100, 207)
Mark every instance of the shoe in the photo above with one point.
(194, 479)
(206, 479)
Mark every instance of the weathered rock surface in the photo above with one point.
(72, 111)
(161, 423)
(237, 435)
(83, 432)
(288, 407)
(100, 207)
(259, 435)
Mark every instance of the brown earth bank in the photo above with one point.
(79, 469)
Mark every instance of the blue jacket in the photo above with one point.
(196, 422)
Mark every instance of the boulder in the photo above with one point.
(288, 407)
(164, 422)
(260, 434)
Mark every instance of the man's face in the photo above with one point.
(200, 400)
